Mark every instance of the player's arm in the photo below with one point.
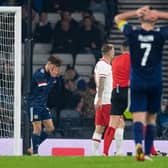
(124, 16)
(120, 19)
(159, 14)
(100, 92)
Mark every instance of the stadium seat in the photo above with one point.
(85, 59)
(53, 18)
(41, 48)
(40, 59)
(99, 17)
(65, 57)
(69, 118)
(77, 16)
(84, 70)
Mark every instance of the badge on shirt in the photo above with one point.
(42, 70)
(35, 116)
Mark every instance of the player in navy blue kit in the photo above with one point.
(43, 79)
(146, 46)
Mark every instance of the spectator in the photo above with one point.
(88, 111)
(43, 30)
(71, 95)
(96, 23)
(89, 38)
(71, 74)
(64, 39)
(66, 16)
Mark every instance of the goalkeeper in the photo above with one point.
(43, 80)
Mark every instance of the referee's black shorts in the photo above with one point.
(119, 100)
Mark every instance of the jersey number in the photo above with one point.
(147, 47)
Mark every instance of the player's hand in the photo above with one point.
(99, 104)
(143, 11)
(154, 15)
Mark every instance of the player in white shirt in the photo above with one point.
(103, 79)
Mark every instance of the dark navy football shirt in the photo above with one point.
(146, 49)
(40, 86)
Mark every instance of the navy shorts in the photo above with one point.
(38, 113)
(119, 100)
(147, 99)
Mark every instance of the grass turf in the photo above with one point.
(80, 162)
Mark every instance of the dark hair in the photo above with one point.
(106, 48)
(54, 60)
(63, 12)
(43, 12)
(125, 44)
(68, 67)
(87, 17)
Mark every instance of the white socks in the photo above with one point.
(96, 139)
(119, 135)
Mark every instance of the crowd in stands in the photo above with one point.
(75, 30)
(68, 35)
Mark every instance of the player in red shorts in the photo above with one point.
(103, 80)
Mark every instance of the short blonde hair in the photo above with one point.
(106, 48)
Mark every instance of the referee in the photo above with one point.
(121, 76)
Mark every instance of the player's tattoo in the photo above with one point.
(101, 86)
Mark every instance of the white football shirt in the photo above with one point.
(103, 69)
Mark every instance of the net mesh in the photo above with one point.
(7, 72)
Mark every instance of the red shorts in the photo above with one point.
(103, 115)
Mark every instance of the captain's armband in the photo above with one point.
(121, 25)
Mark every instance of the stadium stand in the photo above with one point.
(85, 59)
(53, 18)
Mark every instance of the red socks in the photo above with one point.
(108, 137)
(153, 150)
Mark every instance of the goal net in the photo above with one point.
(10, 76)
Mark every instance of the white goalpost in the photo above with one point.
(10, 77)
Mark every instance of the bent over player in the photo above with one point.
(43, 79)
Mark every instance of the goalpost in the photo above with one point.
(10, 77)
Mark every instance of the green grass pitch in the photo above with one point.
(80, 162)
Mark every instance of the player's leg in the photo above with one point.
(35, 118)
(139, 119)
(119, 104)
(36, 135)
(101, 121)
(150, 133)
(122, 105)
(153, 150)
(48, 125)
(119, 137)
(96, 139)
(154, 107)
(48, 129)
(109, 133)
(138, 107)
